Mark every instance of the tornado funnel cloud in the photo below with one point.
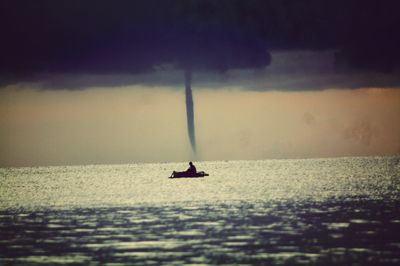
(189, 109)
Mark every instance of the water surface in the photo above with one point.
(281, 212)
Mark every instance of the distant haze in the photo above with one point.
(137, 124)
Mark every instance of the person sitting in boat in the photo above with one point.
(192, 169)
(190, 172)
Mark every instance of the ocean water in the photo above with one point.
(342, 211)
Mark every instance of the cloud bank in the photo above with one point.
(56, 41)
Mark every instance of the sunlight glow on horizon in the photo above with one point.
(140, 124)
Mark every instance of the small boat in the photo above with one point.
(188, 175)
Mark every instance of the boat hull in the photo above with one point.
(187, 175)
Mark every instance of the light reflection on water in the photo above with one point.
(325, 211)
(238, 232)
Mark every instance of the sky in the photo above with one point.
(85, 83)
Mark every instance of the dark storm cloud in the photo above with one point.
(46, 39)
(289, 70)
(109, 37)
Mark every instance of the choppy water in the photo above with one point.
(319, 211)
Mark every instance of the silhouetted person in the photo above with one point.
(190, 172)
(192, 169)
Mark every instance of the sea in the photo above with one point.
(334, 211)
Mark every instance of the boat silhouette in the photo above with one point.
(188, 175)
